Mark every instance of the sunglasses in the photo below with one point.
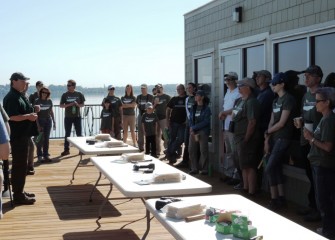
(45, 92)
(70, 85)
(111, 89)
(320, 100)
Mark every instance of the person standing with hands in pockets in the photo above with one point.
(72, 101)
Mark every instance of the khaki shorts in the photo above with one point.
(129, 121)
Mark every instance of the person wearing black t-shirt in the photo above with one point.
(176, 122)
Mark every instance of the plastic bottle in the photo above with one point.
(74, 109)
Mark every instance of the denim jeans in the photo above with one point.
(177, 132)
(324, 179)
(68, 121)
(45, 124)
(274, 166)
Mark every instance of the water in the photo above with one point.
(91, 120)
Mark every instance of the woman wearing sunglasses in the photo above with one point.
(44, 123)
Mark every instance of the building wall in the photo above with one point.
(211, 26)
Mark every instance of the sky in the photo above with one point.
(95, 42)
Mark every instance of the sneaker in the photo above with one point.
(40, 159)
(181, 165)
(66, 152)
(193, 172)
(313, 216)
(238, 186)
(24, 200)
(304, 211)
(29, 195)
(273, 205)
(47, 159)
(30, 171)
(233, 181)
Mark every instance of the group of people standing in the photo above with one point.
(29, 119)
(161, 117)
(262, 116)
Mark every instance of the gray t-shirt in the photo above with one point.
(286, 102)
(324, 132)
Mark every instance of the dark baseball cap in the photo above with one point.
(315, 70)
(18, 76)
(278, 78)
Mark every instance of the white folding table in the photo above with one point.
(269, 224)
(126, 180)
(86, 149)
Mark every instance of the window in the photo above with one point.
(324, 52)
(290, 55)
(204, 73)
(253, 60)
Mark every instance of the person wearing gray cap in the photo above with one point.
(141, 101)
(309, 115)
(22, 121)
(247, 137)
(321, 157)
(230, 169)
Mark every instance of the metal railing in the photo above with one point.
(90, 117)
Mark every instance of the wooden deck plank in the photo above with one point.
(63, 210)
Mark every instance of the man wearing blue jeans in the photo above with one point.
(72, 101)
(176, 121)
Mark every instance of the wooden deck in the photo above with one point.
(63, 210)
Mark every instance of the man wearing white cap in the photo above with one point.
(141, 101)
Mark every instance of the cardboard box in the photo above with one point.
(244, 233)
(223, 228)
(240, 220)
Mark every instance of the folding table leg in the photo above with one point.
(105, 201)
(95, 186)
(81, 158)
(147, 213)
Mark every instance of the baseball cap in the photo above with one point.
(18, 76)
(265, 73)
(249, 82)
(148, 105)
(144, 85)
(233, 75)
(278, 78)
(315, 70)
(38, 83)
(200, 93)
(111, 87)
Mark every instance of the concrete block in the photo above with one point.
(308, 8)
